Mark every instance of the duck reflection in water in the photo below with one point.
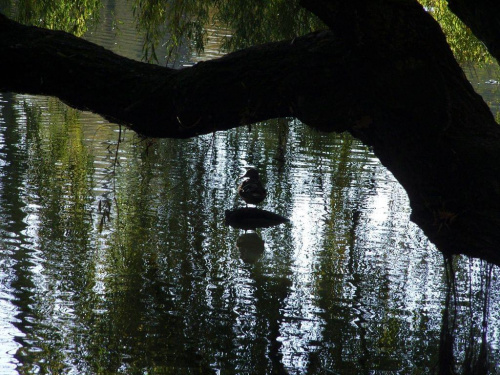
(251, 247)
(251, 189)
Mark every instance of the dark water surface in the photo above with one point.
(114, 256)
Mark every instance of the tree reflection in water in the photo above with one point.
(464, 346)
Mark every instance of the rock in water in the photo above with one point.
(252, 218)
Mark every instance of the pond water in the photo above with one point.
(114, 255)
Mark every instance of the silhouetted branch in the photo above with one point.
(383, 72)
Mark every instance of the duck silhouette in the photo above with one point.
(251, 189)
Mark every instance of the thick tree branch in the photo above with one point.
(275, 80)
(383, 72)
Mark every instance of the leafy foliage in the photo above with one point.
(242, 22)
(249, 22)
(261, 21)
(180, 20)
(465, 46)
(75, 16)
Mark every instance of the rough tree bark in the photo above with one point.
(383, 72)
